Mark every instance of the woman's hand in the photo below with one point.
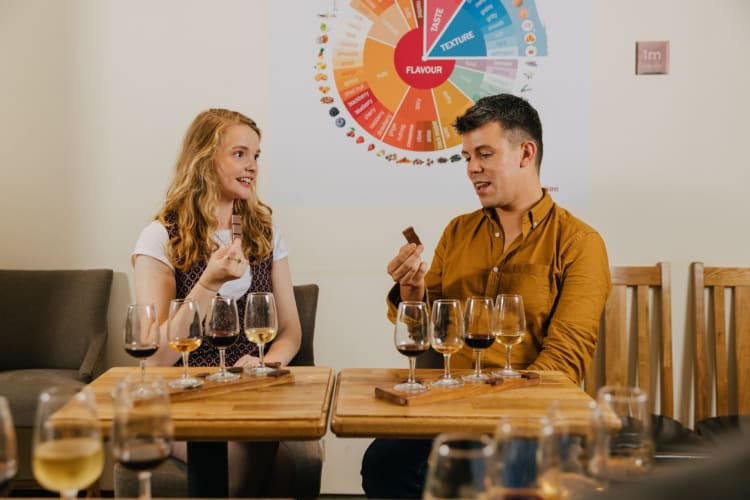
(247, 360)
(226, 264)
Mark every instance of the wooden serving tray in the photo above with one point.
(245, 382)
(435, 394)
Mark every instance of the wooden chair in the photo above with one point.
(721, 307)
(170, 479)
(643, 321)
(635, 349)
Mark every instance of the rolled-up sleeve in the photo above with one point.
(573, 329)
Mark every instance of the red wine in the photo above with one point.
(141, 351)
(479, 341)
(412, 349)
(222, 338)
(143, 456)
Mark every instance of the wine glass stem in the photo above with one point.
(185, 365)
(446, 366)
(261, 348)
(222, 366)
(507, 358)
(411, 370)
(143, 370)
(478, 363)
(144, 485)
(68, 494)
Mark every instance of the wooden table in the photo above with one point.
(357, 413)
(297, 410)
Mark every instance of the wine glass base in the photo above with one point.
(186, 383)
(222, 377)
(447, 382)
(413, 387)
(507, 373)
(476, 378)
(258, 371)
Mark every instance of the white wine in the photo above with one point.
(185, 345)
(509, 339)
(69, 463)
(446, 348)
(260, 335)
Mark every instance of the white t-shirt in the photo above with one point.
(153, 242)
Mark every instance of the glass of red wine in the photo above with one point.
(478, 335)
(142, 336)
(142, 427)
(412, 339)
(222, 330)
(8, 450)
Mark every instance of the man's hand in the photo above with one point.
(408, 270)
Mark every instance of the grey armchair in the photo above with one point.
(53, 332)
(169, 480)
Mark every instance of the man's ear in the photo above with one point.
(528, 153)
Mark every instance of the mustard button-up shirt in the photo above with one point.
(559, 265)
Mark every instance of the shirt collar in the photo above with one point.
(534, 216)
(538, 212)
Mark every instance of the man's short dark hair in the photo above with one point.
(513, 113)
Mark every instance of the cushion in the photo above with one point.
(22, 388)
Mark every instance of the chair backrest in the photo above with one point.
(306, 297)
(729, 341)
(53, 319)
(635, 337)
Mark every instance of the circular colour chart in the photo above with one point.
(395, 74)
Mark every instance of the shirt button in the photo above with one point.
(497, 235)
(494, 269)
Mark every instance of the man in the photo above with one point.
(519, 242)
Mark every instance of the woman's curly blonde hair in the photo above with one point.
(192, 197)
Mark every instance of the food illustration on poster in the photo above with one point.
(393, 74)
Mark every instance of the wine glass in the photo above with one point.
(67, 451)
(141, 427)
(411, 339)
(478, 334)
(141, 333)
(447, 336)
(631, 448)
(8, 450)
(522, 464)
(580, 438)
(222, 330)
(261, 325)
(509, 328)
(457, 466)
(184, 335)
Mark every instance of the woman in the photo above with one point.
(188, 251)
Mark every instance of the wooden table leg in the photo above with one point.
(207, 469)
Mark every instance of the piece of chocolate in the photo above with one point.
(278, 372)
(236, 226)
(411, 235)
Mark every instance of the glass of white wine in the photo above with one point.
(184, 335)
(261, 325)
(67, 451)
(141, 336)
(8, 450)
(447, 336)
(509, 327)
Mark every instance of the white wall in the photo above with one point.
(96, 94)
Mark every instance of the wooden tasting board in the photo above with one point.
(245, 382)
(436, 394)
